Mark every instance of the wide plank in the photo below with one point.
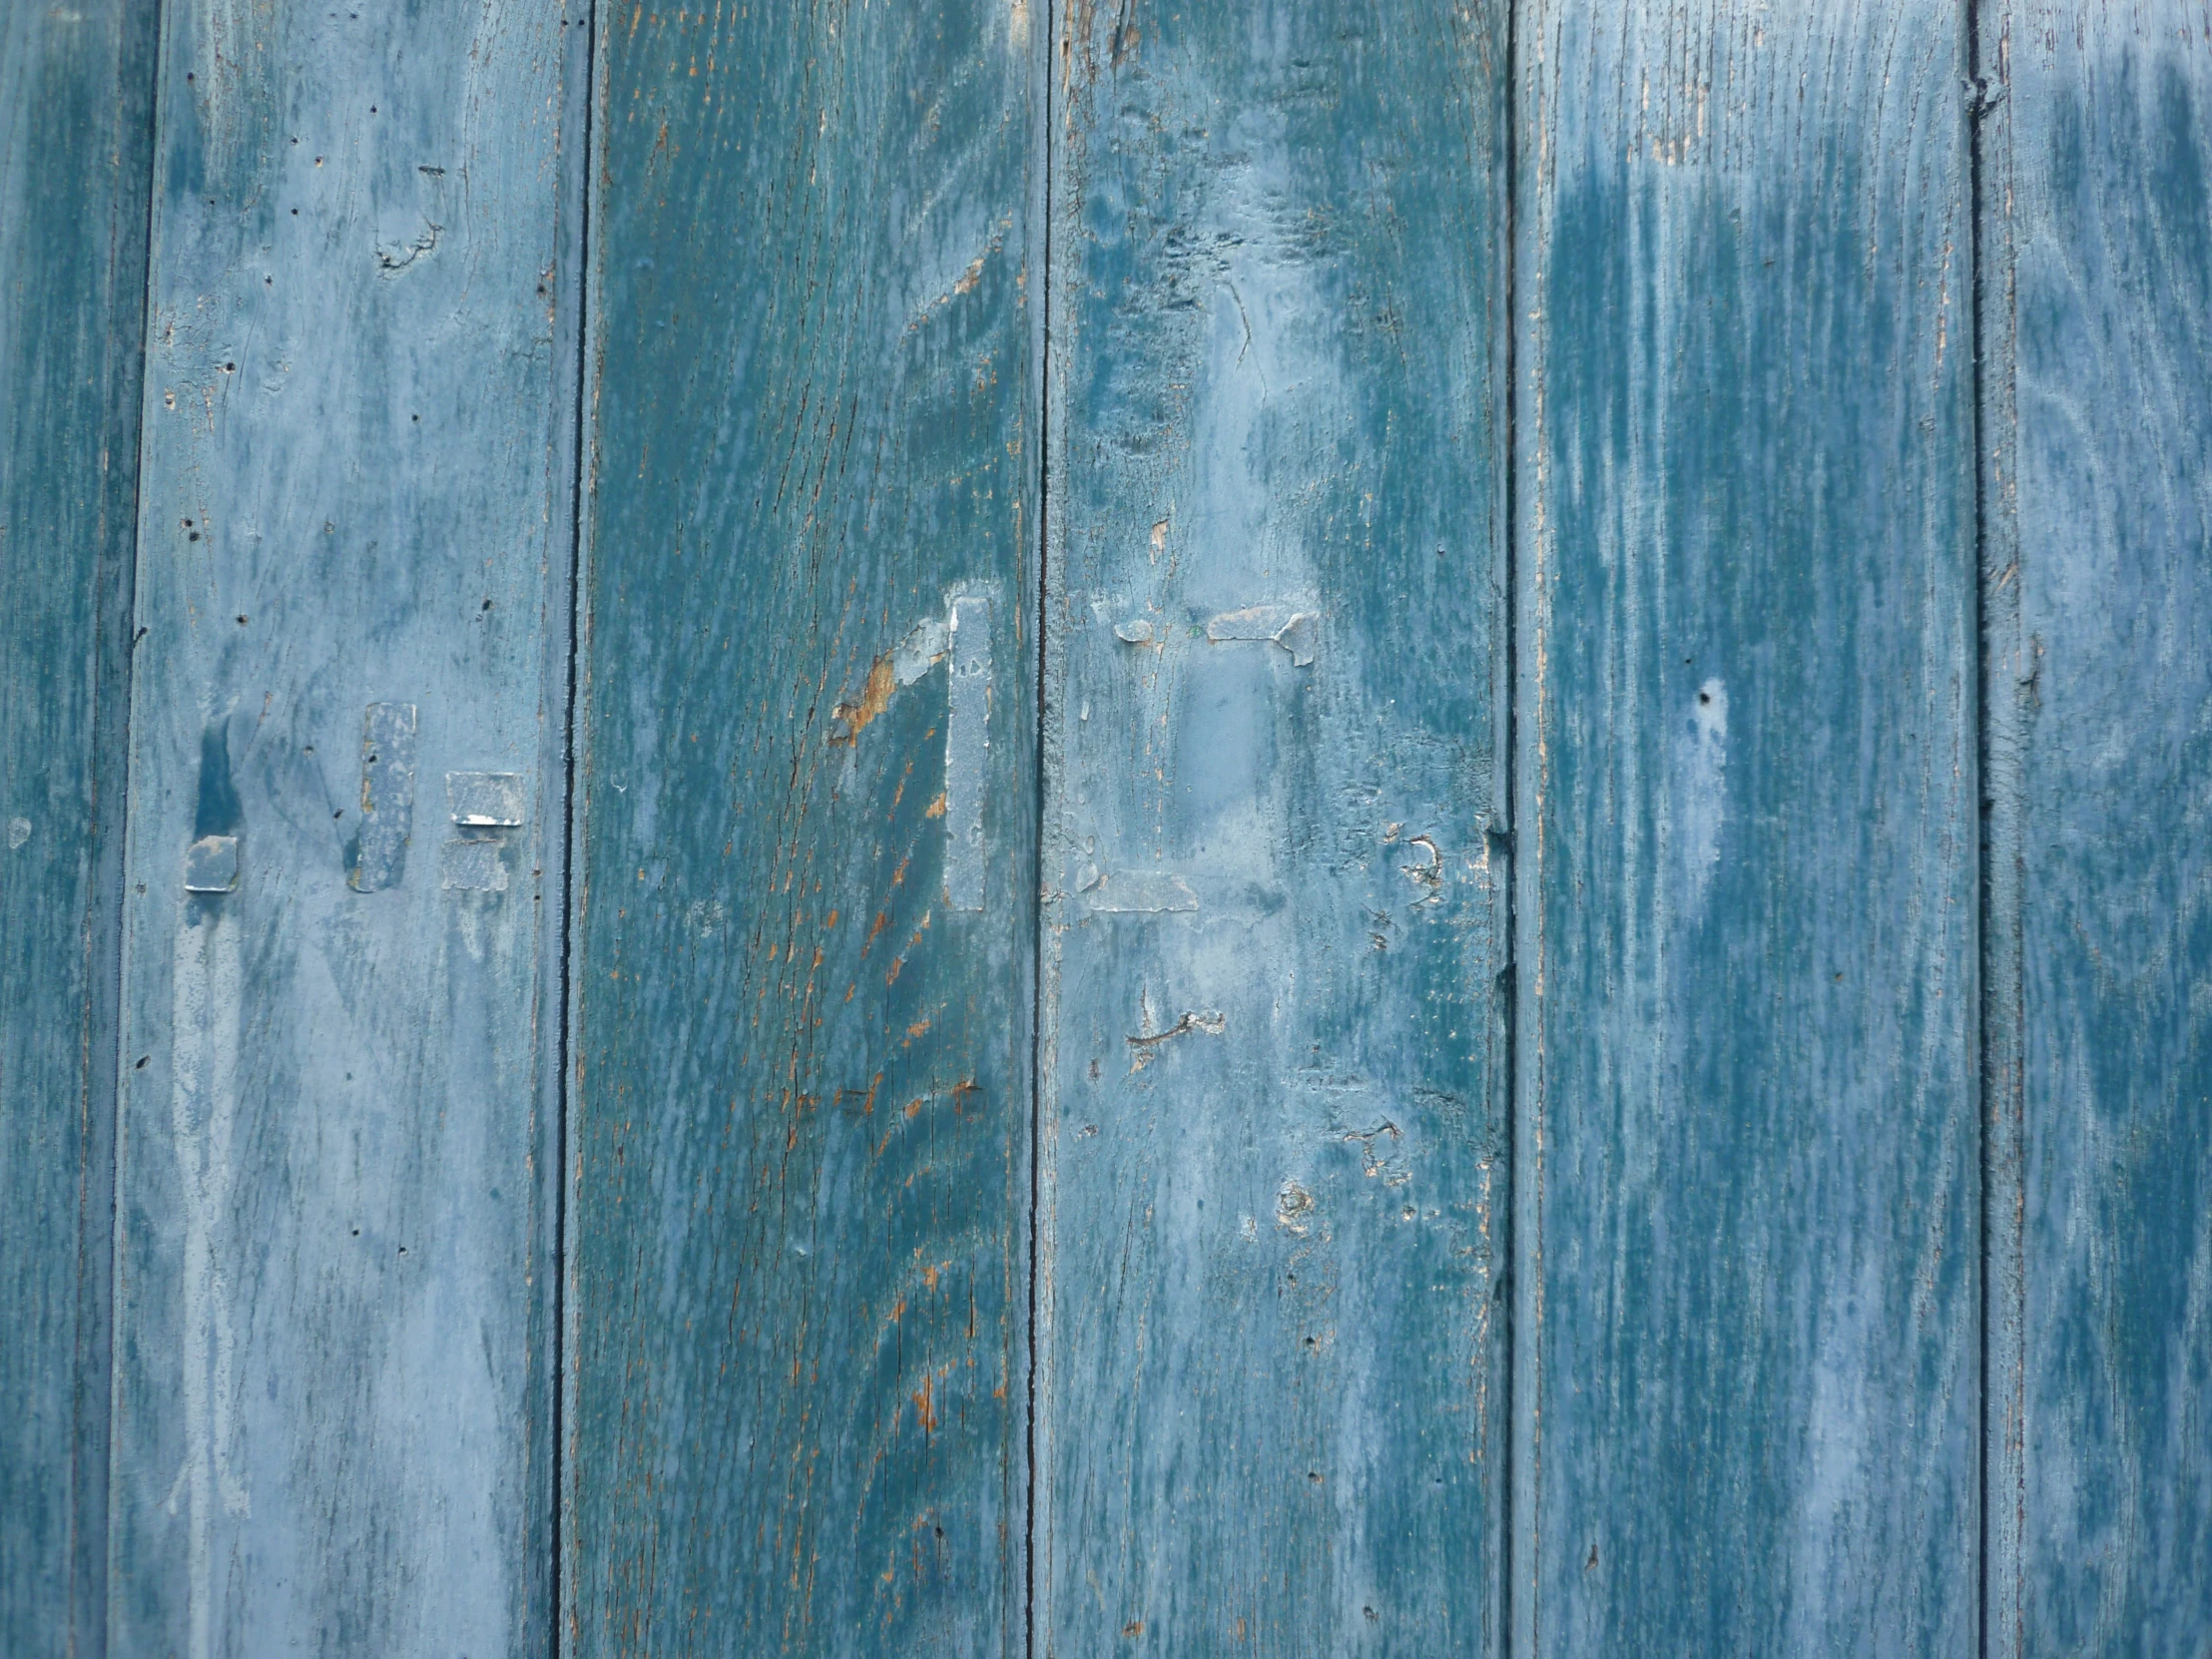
(1272, 1175)
(332, 1289)
(806, 801)
(1747, 1217)
(76, 163)
(2100, 339)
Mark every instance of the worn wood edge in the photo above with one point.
(120, 942)
(1037, 423)
(1053, 117)
(2006, 671)
(588, 335)
(129, 277)
(1528, 545)
(558, 995)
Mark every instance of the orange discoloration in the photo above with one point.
(925, 1412)
(935, 809)
(917, 1029)
(875, 697)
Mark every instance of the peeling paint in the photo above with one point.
(966, 750)
(377, 855)
(1137, 891)
(1280, 625)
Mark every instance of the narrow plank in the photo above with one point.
(332, 1402)
(2101, 229)
(1747, 1222)
(1270, 1411)
(75, 166)
(806, 934)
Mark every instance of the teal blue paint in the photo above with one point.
(1747, 1217)
(804, 928)
(1270, 1403)
(332, 1402)
(76, 155)
(2102, 350)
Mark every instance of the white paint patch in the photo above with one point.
(1701, 791)
(205, 990)
(1138, 891)
(966, 750)
(19, 831)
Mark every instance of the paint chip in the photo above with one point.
(211, 865)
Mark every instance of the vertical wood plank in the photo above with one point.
(332, 1295)
(2100, 223)
(75, 166)
(1747, 1219)
(1271, 1413)
(804, 971)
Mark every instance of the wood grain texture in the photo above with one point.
(76, 163)
(1271, 1413)
(2101, 226)
(333, 1298)
(806, 930)
(1747, 1220)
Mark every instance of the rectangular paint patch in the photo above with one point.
(966, 749)
(380, 848)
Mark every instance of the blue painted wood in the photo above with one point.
(76, 163)
(1747, 1224)
(333, 1400)
(1271, 1413)
(807, 805)
(2101, 232)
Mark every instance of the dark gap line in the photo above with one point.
(1505, 990)
(1999, 1008)
(1046, 162)
(564, 949)
(100, 1172)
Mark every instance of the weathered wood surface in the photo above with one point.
(1747, 1216)
(2099, 312)
(806, 923)
(333, 1309)
(76, 162)
(1270, 1406)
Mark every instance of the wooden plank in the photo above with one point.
(332, 1397)
(75, 166)
(1271, 1413)
(805, 941)
(1746, 1310)
(2100, 332)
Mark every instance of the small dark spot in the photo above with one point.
(340, 813)
(1312, 1342)
(188, 523)
(487, 606)
(194, 536)
(414, 417)
(1705, 696)
(242, 622)
(1592, 1561)
(230, 368)
(357, 1231)
(142, 1059)
(1314, 1475)
(1094, 1071)
(1373, 1616)
(296, 213)
(188, 77)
